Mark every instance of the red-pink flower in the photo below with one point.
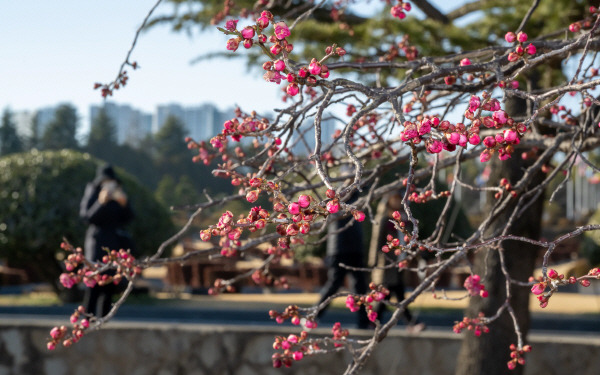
(292, 89)
(574, 27)
(359, 216)
(512, 57)
(262, 22)
(66, 280)
(314, 67)
(372, 315)
(231, 25)
(474, 139)
(294, 208)
(304, 201)
(538, 288)
(276, 49)
(248, 32)
(397, 12)
(474, 103)
(510, 136)
(465, 62)
(297, 355)
(281, 30)
(510, 37)
(279, 65)
(500, 117)
(252, 196)
(453, 138)
(89, 280)
(273, 76)
(434, 146)
(424, 127)
(522, 37)
(531, 49)
(333, 206)
(233, 44)
(485, 156)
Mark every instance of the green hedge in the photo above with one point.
(39, 205)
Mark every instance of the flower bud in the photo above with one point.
(510, 37)
(248, 33)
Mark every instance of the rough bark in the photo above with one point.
(489, 353)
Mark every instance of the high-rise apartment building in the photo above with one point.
(131, 125)
(201, 122)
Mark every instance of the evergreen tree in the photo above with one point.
(9, 139)
(172, 156)
(61, 131)
(34, 141)
(185, 192)
(165, 192)
(102, 140)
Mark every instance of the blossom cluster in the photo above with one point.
(520, 50)
(477, 325)
(293, 348)
(554, 280)
(586, 23)
(277, 68)
(293, 314)
(510, 131)
(80, 321)
(474, 286)
(377, 293)
(448, 136)
(292, 218)
(517, 356)
(398, 10)
(81, 270)
(410, 51)
(296, 347)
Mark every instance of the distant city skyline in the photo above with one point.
(201, 121)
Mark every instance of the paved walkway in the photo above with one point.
(560, 303)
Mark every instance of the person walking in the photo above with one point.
(345, 247)
(390, 277)
(105, 207)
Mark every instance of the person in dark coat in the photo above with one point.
(345, 248)
(106, 209)
(391, 278)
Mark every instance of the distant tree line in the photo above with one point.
(161, 162)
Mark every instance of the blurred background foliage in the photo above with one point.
(40, 192)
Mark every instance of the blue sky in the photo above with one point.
(54, 51)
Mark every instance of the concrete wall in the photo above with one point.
(171, 349)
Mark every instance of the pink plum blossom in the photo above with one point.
(281, 30)
(292, 89)
(231, 25)
(279, 65)
(294, 208)
(232, 44)
(333, 206)
(510, 37)
(500, 117)
(248, 32)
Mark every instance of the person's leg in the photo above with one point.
(90, 299)
(360, 287)
(335, 280)
(107, 299)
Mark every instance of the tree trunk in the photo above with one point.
(489, 353)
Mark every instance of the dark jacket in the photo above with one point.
(105, 222)
(350, 240)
